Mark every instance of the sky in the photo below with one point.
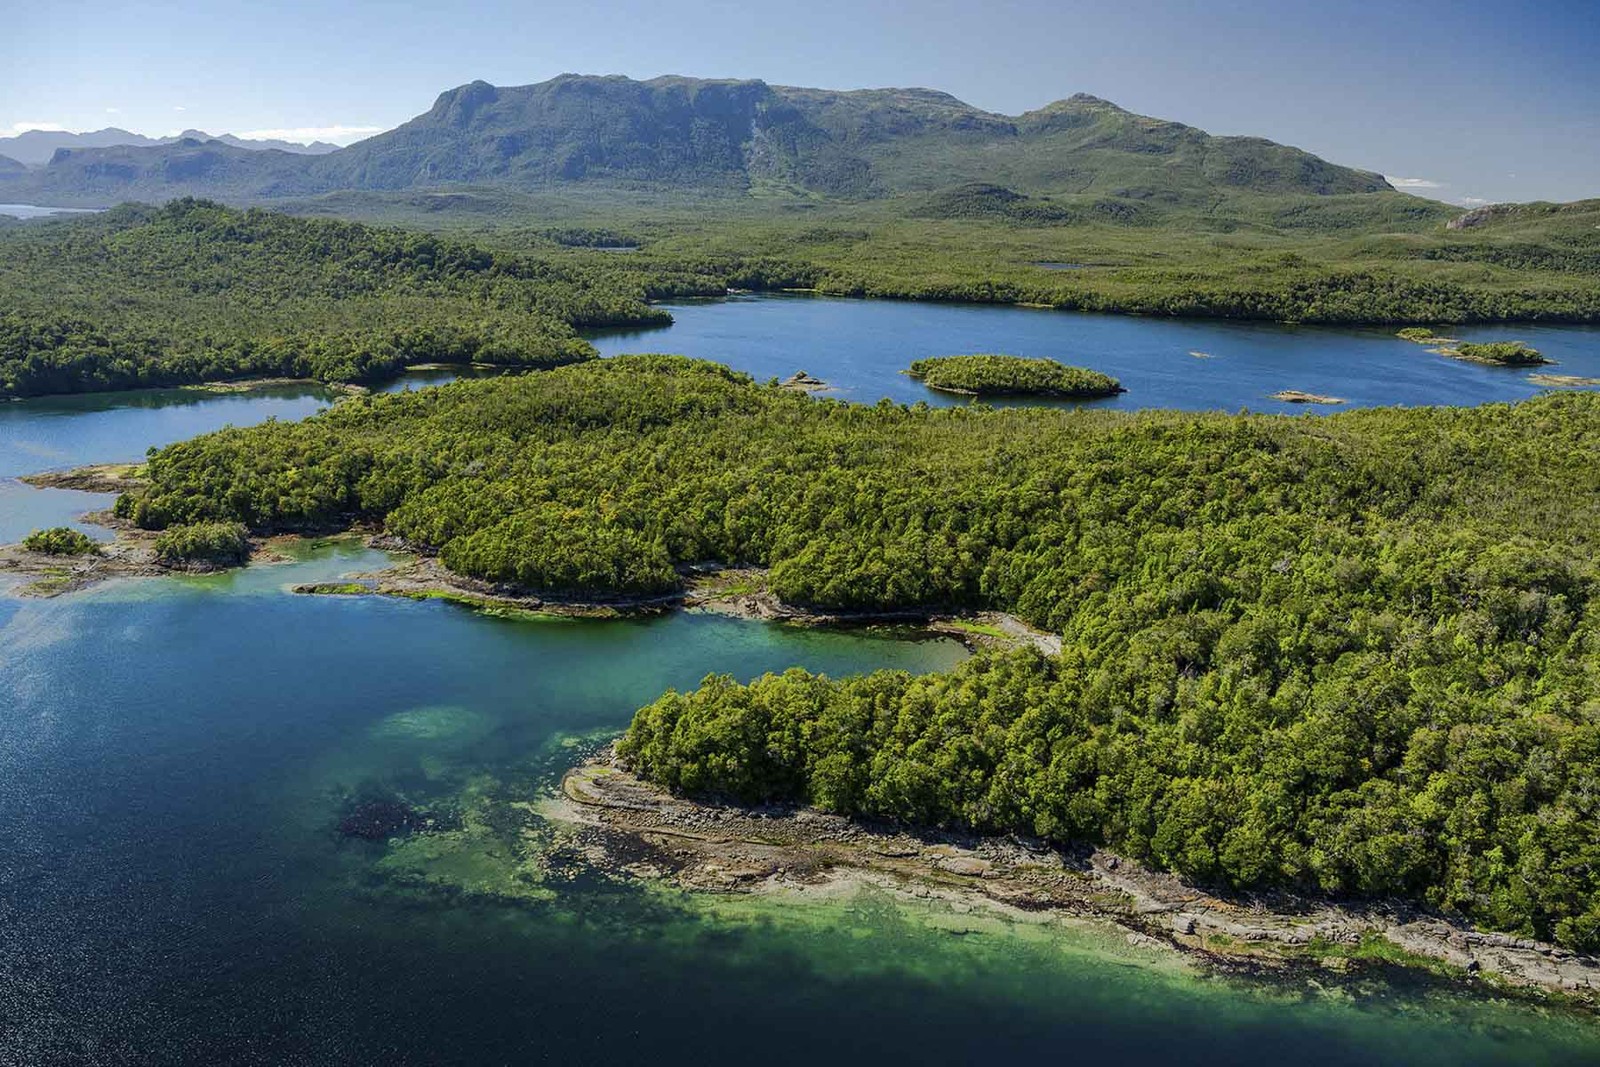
(1467, 102)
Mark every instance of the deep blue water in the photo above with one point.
(172, 889)
(174, 753)
(861, 346)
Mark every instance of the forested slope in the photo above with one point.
(194, 291)
(1356, 653)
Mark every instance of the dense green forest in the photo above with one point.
(1243, 261)
(996, 375)
(1358, 653)
(1344, 258)
(194, 291)
(221, 543)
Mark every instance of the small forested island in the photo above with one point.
(1492, 353)
(1423, 335)
(1351, 656)
(999, 375)
(1501, 354)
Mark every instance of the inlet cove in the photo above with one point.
(222, 825)
(421, 818)
(700, 570)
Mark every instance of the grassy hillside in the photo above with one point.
(1383, 258)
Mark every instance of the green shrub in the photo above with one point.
(1502, 353)
(60, 541)
(222, 543)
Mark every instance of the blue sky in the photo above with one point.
(1480, 101)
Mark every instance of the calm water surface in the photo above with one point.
(34, 211)
(60, 432)
(176, 753)
(861, 346)
(172, 889)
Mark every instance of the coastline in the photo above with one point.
(131, 554)
(633, 829)
(735, 591)
(725, 849)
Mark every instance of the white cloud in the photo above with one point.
(180, 107)
(1472, 201)
(48, 127)
(339, 134)
(113, 111)
(1413, 183)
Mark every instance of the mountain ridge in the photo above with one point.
(727, 136)
(38, 147)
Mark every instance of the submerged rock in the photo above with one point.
(804, 382)
(379, 820)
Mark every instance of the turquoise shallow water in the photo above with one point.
(172, 889)
(175, 754)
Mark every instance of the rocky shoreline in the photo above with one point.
(95, 478)
(634, 829)
(132, 554)
(45, 575)
(1297, 396)
(738, 591)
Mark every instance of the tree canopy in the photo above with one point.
(1356, 653)
(194, 291)
(994, 375)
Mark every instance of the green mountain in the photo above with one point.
(735, 134)
(729, 137)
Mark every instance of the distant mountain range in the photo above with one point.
(691, 134)
(36, 147)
